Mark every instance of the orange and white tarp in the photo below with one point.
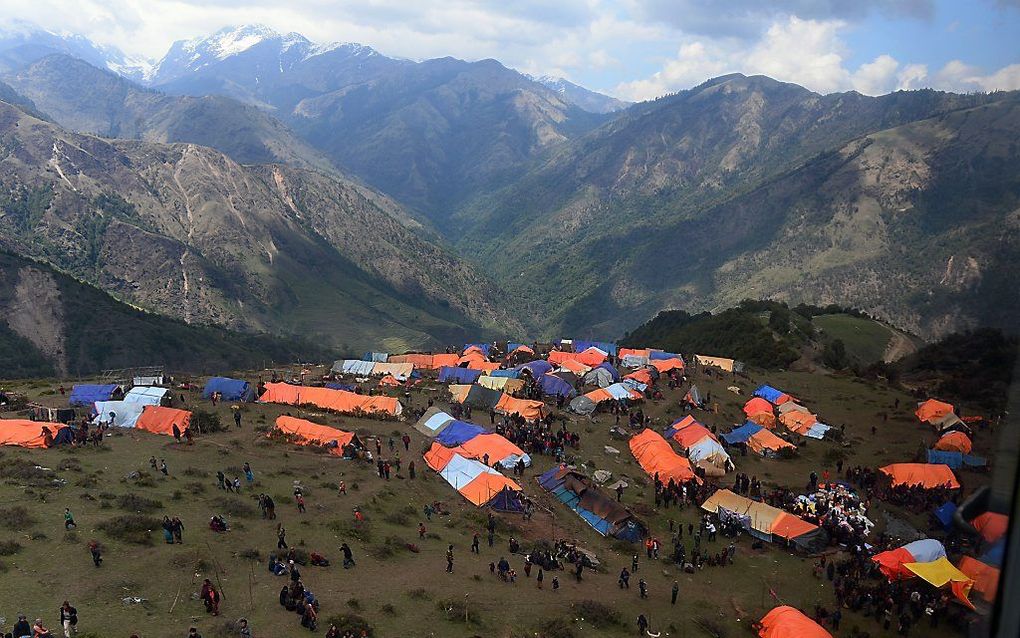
(932, 409)
(787, 622)
(160, 420)
(530, 410)
(798, 421)
(25, 433)
(927, 475)
(764, 441)
(656, 456)
(954, 442)
(985, 577)
(305, 432)
(644, 375)
(327, 399)
(689, 431)
(475, 481)
(576, 367)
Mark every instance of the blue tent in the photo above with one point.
(995, 553)
(537, 368)
(580, 345)
(655, 355)
(596, 508)
(742, 434)
(955, 460)
(553, 385)
(459, 432)
(229, 389)
(485, 347)
(346, 387)
(511, 374)
(944, 515)
(87, 394)
(378, 357)
(450, 374)
(768, 393)
(507, 501)
(609, 367)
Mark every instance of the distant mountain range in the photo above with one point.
(261, 181)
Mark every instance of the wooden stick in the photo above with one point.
(175, 599)
(216, 572)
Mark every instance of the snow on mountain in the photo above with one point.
(23, 43)
(579, 96)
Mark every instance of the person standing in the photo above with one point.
(676, 592)
(642, 624)
(281, 537)
(348, 555)
(69, 620)
(449, 559)
(643, 587)
(248, 474)
(69, 519)
(97, 553)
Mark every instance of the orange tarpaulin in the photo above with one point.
(932, 409)
(481, 490)
(420, 361)
(309, 433)
(927, 475)
(787, 622)
(689, 431)
(986, 577)
(590, 357)
(644, 375)
(557, 357)
(496, 446)
(24, 433)
(160, 420)
(440, 360)
(438, 456)
(655, 456)
(390, 381)
(665, 365)
(337, 400)
(789, 526)
(764, 440)
(757, 405)
(798, 421)
(891, 563)
(530, 410)
(955, 442)
(484, 366)
(637, 352)
(991, 525)
(576, 367)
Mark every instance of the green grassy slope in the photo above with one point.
(866, 340)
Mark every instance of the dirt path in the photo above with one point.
(898, 347)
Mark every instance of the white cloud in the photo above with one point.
(881, 75)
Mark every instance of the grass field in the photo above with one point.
(400, 593)
(866, 340)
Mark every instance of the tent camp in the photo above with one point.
(505, 384)
(932, 409)
(702, 447)
(729, 365)
(527, 409)
(656, 457)
(475, 396)
(580, 345)
(304, 432)
(475, 481)
(336, 400)
(146, 395)
(772, 395)
(597, 508)
(459, 375)
(891, 562)
(553, 385)
(160, 420)
(666, 365)
(86, 394)
(33, 434)
(760, 411)
(535, 368)
(758, 439)
(121, 414)
(494, 447)
(433, 422)
(924, 475)
(229, 389)
(802, 422)
(954, 442)
(765, 521)
(634, 358)
(401, 371)
(787, 622)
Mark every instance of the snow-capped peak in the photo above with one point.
(231, 40)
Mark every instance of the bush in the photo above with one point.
(9, 548)
(354, 603)
(397, 518)
(457, 611)
(555, 628)
(350, 623)
(250, 554)
(207, 422)
(419, 593)
(16, 518)
(132, 528)
(234, 508)
(197, 472)
(598, 614)
(138, 504)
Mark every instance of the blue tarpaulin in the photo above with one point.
(994, 554)
(657, 355)
(955, 460)
(229, 389)
(378, 357)
(580, 345)
(742, 434)
(346, 387)
(511, 374)
(609, 367)
(87, 394)
(768, 393)
(537, 367)
(459, 432)
(450, 374)
(553, 385)
(485, 347)
(944, 514)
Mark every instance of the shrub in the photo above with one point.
(196, 472)
(354, 603)
(132, 528)
(138, 504)
(397, 518)
(388, 609)
(351, 623)
(206, 422)
(235, 508)
(555, 628)
(250, 554)
(419, 593)
(195, 487)
(457, 611)
(16, 518)
(9, 548)
(598, 614)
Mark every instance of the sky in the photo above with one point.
(631, 49)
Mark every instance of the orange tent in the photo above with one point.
(337, 400)
(991, 525)
(689, 431)
(160, 420)
(789, 526)
(763, 440)
(655, 456)
(496, 446)
(440, 360)
(891, 562)
(390, 381)
(576, 367)
(954, 442)
(986, 577)
(530, 410)
(308, 433)
(439, 456)
(665, 365)
(557, 357)
(927, 475)
(25, 433)
(644, 375)
(757, 405)
(787, 622)
(484, 366)
(932, 409)
(590, 357)
(798, 421)
(420, 361)
(481, 490)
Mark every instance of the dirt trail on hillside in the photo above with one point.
(898, 347)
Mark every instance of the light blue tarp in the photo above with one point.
(125, 413)
(537, 367)
(510, 374)
(817, 430)
(230, 389)
(458, 432)
(742, 434)
(461, 471)
(926, 550)
(378, 357)
(356, 366)
(656, 355)
(769, 393)
(86, 394)
(451, 374)
(434, 424)
(955, 460)
(145, 395)
(605, 365)
(553, 385)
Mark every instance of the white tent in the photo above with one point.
(145, 395)
(124, 413)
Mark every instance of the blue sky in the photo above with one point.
(634, 49)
